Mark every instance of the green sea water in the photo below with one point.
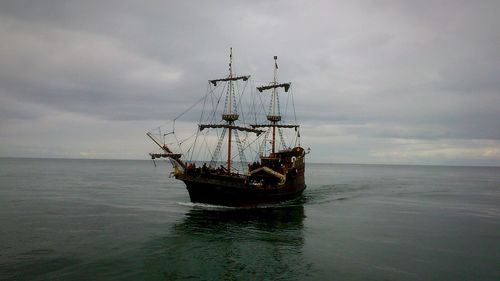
(127, 220)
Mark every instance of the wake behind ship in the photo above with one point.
(232, 129)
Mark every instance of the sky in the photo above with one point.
(385, 82)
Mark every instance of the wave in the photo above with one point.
(330, 193)
(203, 206)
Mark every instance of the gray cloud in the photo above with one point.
(375, 72)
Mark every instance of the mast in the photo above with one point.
(274, 104)
(230, 117)
(274, 111)
(274, 115)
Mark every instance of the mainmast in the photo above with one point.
(229, 115)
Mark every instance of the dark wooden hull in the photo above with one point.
(236, 191)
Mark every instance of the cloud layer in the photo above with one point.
(375, 82)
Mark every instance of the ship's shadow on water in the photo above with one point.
(232, 244)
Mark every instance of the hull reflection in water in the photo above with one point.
(233, 244)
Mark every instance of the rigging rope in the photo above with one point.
(241, 153)
(218, 148)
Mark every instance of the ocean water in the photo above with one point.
(127, 220)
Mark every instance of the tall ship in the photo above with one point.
(233, 127)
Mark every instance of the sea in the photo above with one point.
(64, 219)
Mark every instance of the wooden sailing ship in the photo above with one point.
(277, 171)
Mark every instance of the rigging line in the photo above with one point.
(217, 104)
(210, 104)
(263, 106)
(240, 98)
(293, 105)
(271, 105)
(188, 150)
(248, 105)
(205, 102)
(180, 115)
(191, 107)
(212, 116)
(228, 94)
(158, 135)
(194, 152)
(260, 143)
(234, 98)
(245, 134)
(286, 106)
(262, 146)
(249, 144)
(253, 107)
(237, 98)
(283, 144)
(241, 152)
(255, 97)
(209, 93)
(218, 148)
(186, 139)
(157, 128)
(178, 144)
(172, 143)
(208, 152)
(194, 144)
(278, 102)
(209, 99)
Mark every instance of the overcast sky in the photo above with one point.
(394, 82)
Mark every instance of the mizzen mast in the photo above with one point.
(274, 114)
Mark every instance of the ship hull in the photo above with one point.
(238, 193)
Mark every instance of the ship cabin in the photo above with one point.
(283, 159)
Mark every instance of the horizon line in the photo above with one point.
(315, 163)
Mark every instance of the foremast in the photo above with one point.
(230, 115)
